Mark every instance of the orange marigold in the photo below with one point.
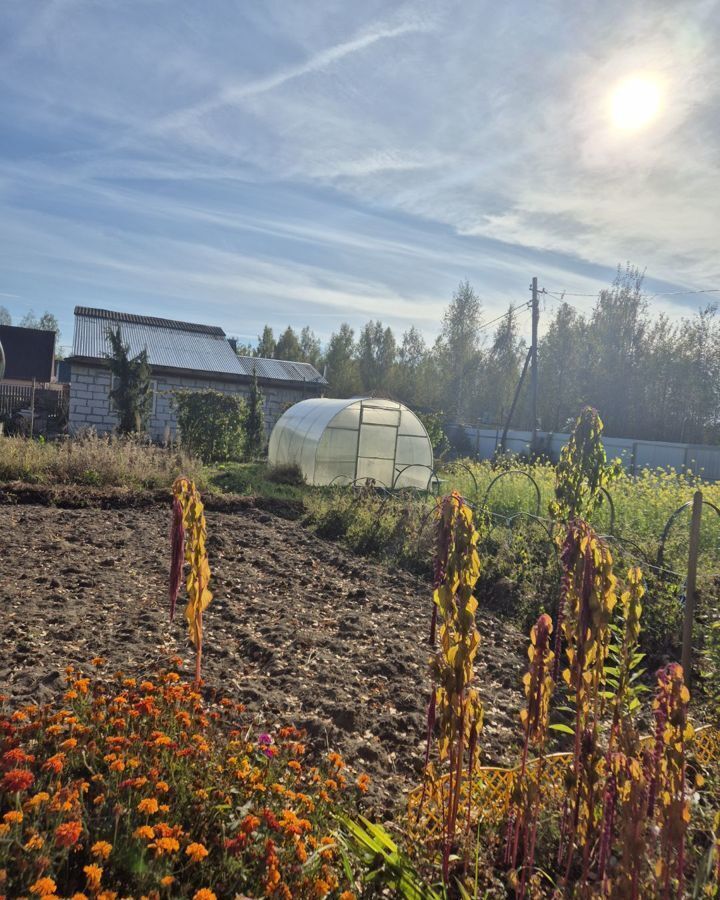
(167, 880)
(34, 842)
(93, 874)
(196, 852)
(68, 834)
(14, 817)
(55, 763)
(4, 829)
(165, 845)
(347, 895)
(148, 805)
(17, 780)
(363, 782)
(204, 894)
(43, 886)
(101, 849)
(144, 831)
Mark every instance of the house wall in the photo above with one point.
(90, 399)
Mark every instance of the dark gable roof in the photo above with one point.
(179, 345)
(29, 353)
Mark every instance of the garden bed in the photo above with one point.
(300, 630)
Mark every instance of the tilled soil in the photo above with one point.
(299, 630)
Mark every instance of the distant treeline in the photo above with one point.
(650, 378)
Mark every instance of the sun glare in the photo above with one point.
(635, 102)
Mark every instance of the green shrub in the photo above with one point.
(289, 473)
(211, 424)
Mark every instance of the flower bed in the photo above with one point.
(139, 788)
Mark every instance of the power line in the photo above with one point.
(562, 294)
(510, 312)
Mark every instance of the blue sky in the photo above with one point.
(239, 163)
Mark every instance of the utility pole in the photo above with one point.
(533, 363)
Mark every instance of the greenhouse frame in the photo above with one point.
(353, 440)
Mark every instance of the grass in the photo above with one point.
(94, 461)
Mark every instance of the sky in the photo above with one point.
(240, 163)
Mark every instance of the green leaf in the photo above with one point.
(559, 726)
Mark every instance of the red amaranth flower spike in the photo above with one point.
(177, 551)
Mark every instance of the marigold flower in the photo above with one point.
(79, 896)
(43, 886)
(294, 765)
(37, 799)
(68, 834)
(363, 782)
(82, 685)
(69, 744)
(165, 845)
(15, 757)
(34, 842)
(14, 817)
(148, 805)
(93, 874)
(4, 829)
(204, 894)
(162, 786)
(17, 780)
(101, 849)
(347, 895)
(167, 880)
(196, 852)
(55, 763)
(97, 660)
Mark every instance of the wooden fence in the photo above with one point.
(33, 408)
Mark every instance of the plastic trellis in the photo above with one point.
(492, 787)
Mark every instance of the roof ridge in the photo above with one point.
(152, 321)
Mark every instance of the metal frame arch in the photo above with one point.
(514, 472)
(668, 525)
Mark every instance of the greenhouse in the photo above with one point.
(345, 441)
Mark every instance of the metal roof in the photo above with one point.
(178, 345)
(280, 369)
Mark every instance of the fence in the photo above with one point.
(700, 459)
(34, 408)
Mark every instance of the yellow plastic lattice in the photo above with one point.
(492, 787)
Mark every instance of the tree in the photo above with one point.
(46, 322)
(460, 347)
(410, 381)
(266, 344)
(131, 397)
(376, 356)
(561, 369)
(254, 420)
(501, 369)
(310, 347)
(5, 317)
(342, 367)
(288, 346)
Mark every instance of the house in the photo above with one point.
(182, 356)
(29, 354)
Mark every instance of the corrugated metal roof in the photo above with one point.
(280, 369)
(179, 345)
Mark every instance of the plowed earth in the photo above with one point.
(299, 630)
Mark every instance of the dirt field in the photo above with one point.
(299, 630)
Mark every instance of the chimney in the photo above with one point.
(233, 343)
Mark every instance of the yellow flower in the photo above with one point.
(101, 849)
(14, 817)
(196, 852)
(149, 805)
(93, 874)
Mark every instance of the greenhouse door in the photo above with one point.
(377, 443)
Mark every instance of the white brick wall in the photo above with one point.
(90, 399)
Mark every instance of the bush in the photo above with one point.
(136, 786)
(211, 424)
(289, 473)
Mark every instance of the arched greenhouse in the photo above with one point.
(340, 441)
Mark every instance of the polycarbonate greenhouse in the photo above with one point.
(341, 441)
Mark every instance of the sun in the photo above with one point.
(635, 102)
